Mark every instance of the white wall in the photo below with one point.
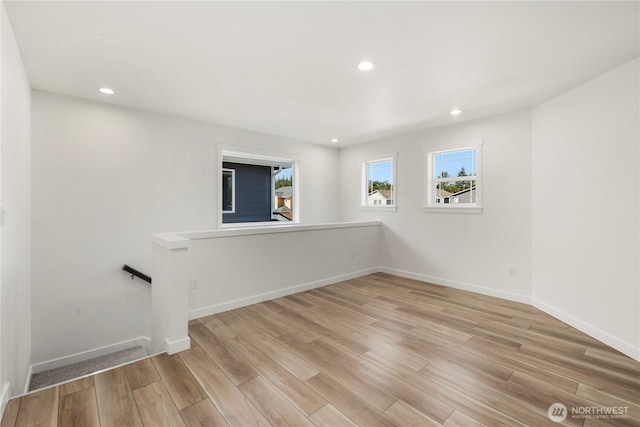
(288, 260)
(585, 208)
(471, 251)
(104, 178)
(15, 197)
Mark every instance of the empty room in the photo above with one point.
(368, 213)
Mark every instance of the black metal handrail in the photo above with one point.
(136, 273)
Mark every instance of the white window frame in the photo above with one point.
(429, 204)
(233, 191)
(257, 157)
(365, 183)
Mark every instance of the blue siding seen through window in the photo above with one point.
(253, 193)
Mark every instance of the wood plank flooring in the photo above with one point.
(375, 351)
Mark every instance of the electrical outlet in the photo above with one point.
(194, 283)
(511, 271)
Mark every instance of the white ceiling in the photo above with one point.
(289, 68)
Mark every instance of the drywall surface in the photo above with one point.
(15, 198)
(585, 207)
(466, 250)
(104, 179)
(235, 268)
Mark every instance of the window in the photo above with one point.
(379, 189)
(283, 192)
(453, 180)
(228, 190)
(257, 189)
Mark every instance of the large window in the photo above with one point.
(379, 177)
(257, 189)
(453, 179)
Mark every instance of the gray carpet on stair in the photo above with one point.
(65, 373)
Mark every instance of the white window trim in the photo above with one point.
(233, 191)
(380, 208)
(429, 206)
(258, 156)
(365, 188)
(459, 209)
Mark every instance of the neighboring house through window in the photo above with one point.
(379, 177)
(453, 179)
(257, 189)
(283, 198)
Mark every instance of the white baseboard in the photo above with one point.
(4, 398)
(599, 334)
(525, 299)
(173, 347)
(86, 355)
(254, 299)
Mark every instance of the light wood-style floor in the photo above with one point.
(374, 351)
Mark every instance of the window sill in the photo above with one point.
(466, 210)
(379, 208)
(256, 224)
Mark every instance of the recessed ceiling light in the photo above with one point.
(455, 112)
(366, 66)
(335, 140)
(106, 91)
